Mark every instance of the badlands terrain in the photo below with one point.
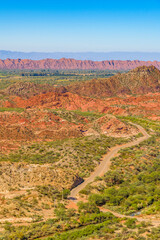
(57, 128)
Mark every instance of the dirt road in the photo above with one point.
(104, 167)
(106, 162)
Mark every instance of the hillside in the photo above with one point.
(29, 89)
(18, 128)
(33, 125)
(64, 63)
(141, 80)
(26, 89)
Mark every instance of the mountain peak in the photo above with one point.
(147, 69)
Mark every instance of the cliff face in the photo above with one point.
(73, 64)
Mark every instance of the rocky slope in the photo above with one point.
(111, 126)
(73, 64)
(52, 100)
(23, 175)
(26, 89)
(34, 125)
(29, 89)
(140, 80)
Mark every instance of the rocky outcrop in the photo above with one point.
(64, 63)
(111, 126)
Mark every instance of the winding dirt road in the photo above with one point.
(104, 167)
(106, 162)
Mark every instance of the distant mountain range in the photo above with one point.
(94, 56)
(72, 64)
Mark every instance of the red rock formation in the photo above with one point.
(55, 100)
(74, 64)
(34, 125)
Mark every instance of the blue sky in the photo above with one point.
(77, 26)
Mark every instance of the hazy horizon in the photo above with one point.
(94, 56)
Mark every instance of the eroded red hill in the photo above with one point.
(34, 125)
(55, 100)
